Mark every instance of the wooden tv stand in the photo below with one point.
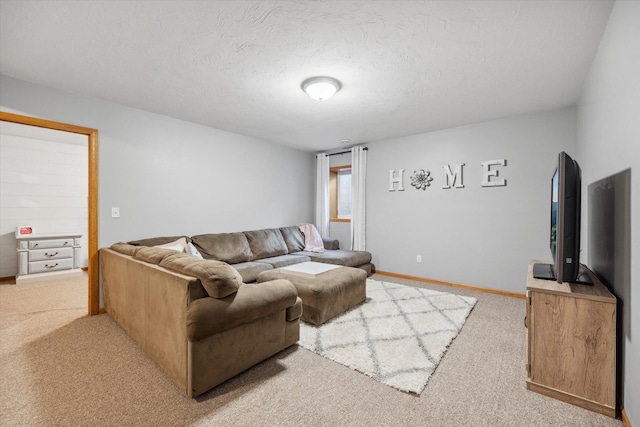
(571, 342)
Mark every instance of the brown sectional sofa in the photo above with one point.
(204, 321)
(252, 252)
(196, 320)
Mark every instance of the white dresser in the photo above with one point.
(42, 256)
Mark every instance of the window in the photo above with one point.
(340, 193)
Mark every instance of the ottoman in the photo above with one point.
(326, 294)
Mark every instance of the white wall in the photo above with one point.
(171, 177)
(43, 183)
(475, 235)
(608, 142)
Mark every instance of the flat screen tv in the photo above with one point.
(564, 225)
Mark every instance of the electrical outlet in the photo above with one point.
(115, 212)
(419, 259)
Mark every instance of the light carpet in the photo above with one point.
(397, 336)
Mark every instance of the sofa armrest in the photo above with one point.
(331, 244)
(295, 311)
(208, 316)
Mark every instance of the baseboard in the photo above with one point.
(625, 419)
(452, 284)
(11, 278)
(37, 277)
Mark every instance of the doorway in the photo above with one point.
(92, 238)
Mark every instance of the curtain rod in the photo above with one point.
(345, 152)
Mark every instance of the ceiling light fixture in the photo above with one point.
(321, 88)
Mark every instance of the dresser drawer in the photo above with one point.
(50, 243)
(46, 254)
(50, 265)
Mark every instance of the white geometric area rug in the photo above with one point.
(397, 336)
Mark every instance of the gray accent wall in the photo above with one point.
(480, 236)
(608, 146)
(171, 177)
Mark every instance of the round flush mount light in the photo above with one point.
(321, 88)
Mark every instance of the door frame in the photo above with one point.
(92, 135)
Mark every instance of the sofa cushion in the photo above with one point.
(266, 243)
(284, 260)
(154, 255)
(249, 270)
(228, 247)
(340, 257)
(125, 248)
(218, 279)
(293, 238)
(155, 241)
(207, 316)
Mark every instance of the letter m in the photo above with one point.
(453, 178)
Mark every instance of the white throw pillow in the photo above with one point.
(191, 250)
(177, 246)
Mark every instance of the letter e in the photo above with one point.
(487, 173)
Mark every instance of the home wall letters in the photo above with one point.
(452, 176)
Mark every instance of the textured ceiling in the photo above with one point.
(406, 67)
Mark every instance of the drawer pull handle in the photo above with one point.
(65, 243)
(51, 266)
(50, 255)
(35, 244)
